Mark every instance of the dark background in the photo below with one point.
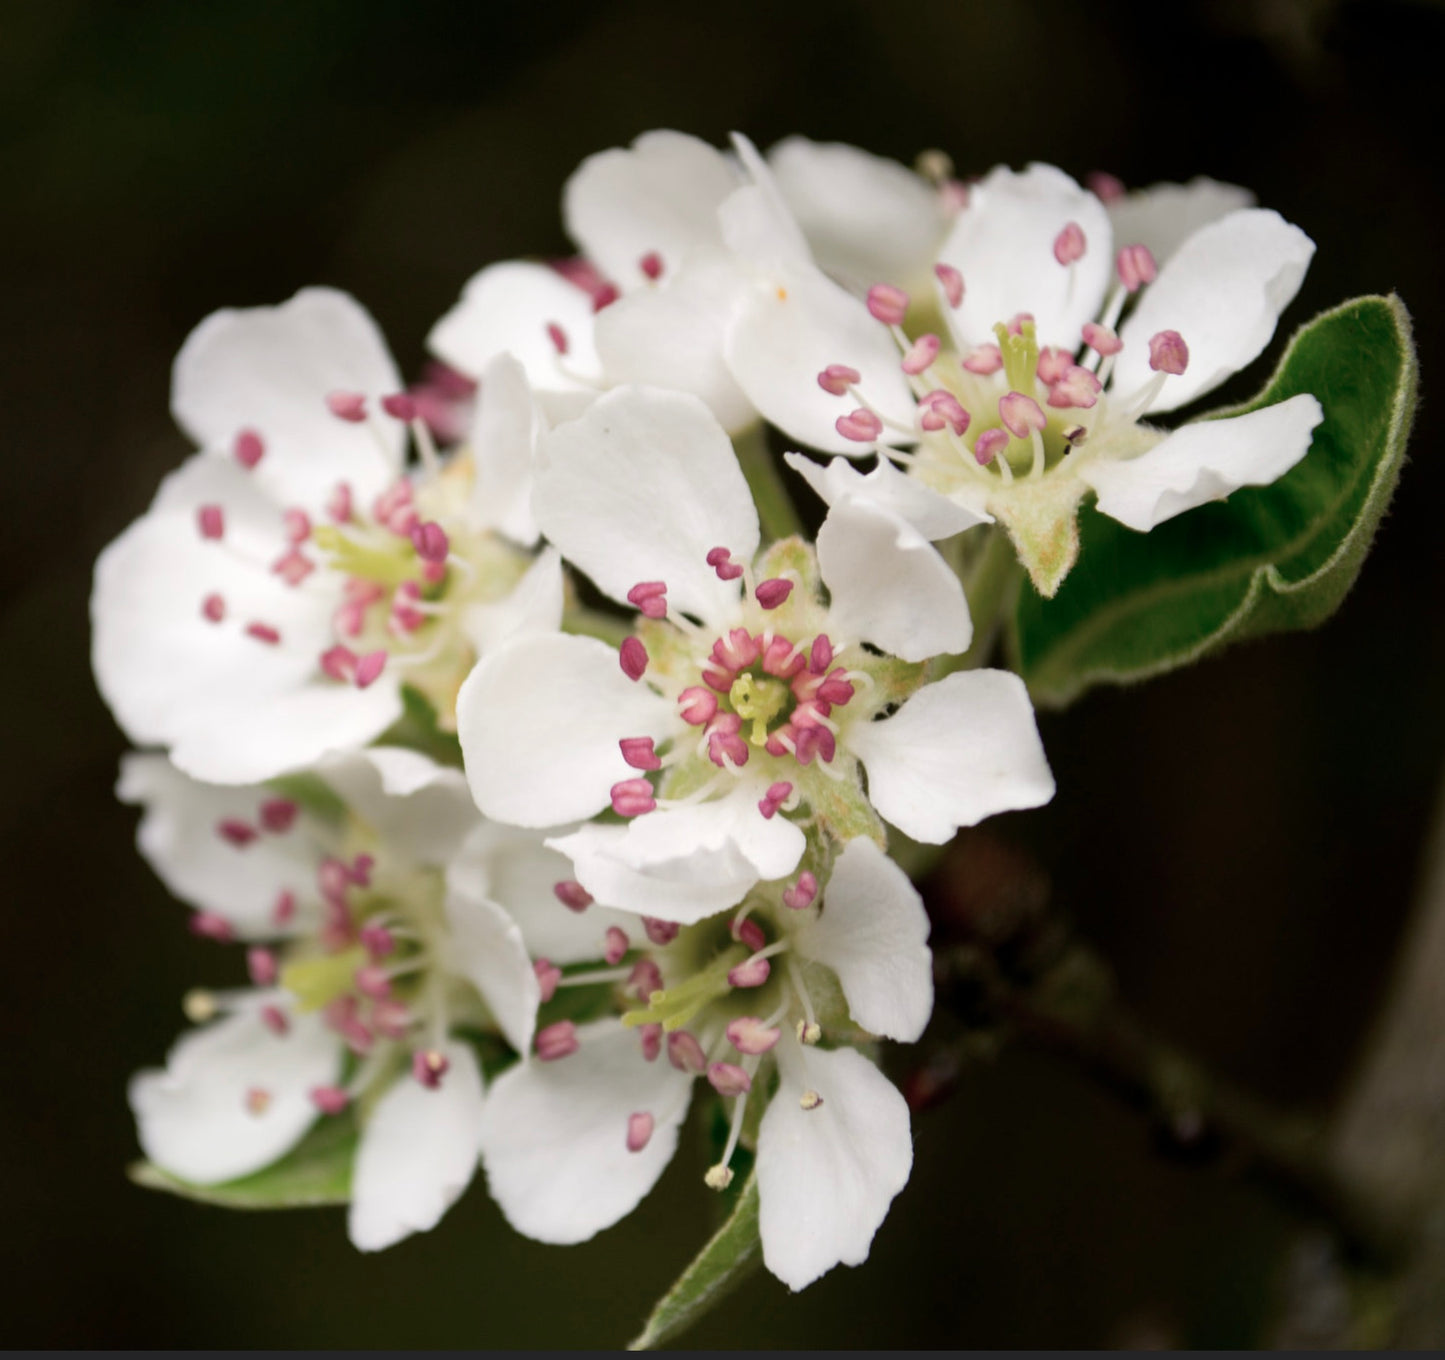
(1241, 839)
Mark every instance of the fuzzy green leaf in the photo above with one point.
(317, 1171)
(1268, 559)
(724, 1263)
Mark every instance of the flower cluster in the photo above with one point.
(513, 872)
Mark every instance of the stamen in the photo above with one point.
(836, 379)
(211, 520)
(371, 980)
(330, 1099)
(377, 940)
(649, 598)
(989, 445)
(771, 593)
(238, 833)
(1101, 339)
(718, 1177)
(209, 926)
(639, 1130)
(278, 815)
(685, 1053)
(746, 931)
(941, 408)
(638, 752)
(1021, 415)
(400, 406)
(644, 979)
(660, 933)
(808, 1031)
(952, 282)
(213, 608)
(750, 1035)
(1135, 266)
(1053, 364)
(347, 406)
(275, 1020)
(283, 910)
(261, 967)
(632, 657)
(548, 976)
(802, 893)
(775, 797)
(430, 541)
(810, 1100)
(728, 1079)
(369, 667)
(616, 945)
(752, 972)
(651, 265)
(862, 426)
(429, 1066)
(558, 337)
(921, 355)
(697, 705)
(984, 360)
(1105, 187)
(721, 561)
(339, 504)
(1078, 387)
(263, 632)
(632, 797)
(572, 895)
(1168, 353)
(1069, 244)
(390, 1018)
(887, 304)
(248, 448)
(651, 1037)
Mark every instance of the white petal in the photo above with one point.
(661, 195)
(1003, 245)
(539, 721)
(269, 369)
(178, 838)
(888, 586)
(418, 808)
(684, 864)
(554, 1135)
(487, 949)
(418, 1152)
(958, 751)
(868, 219)
(1223, 291)
(1204, 462)
(826, 1176)
(1164, 216)
(755, 219)
(788, 329)
(193, 1118)
(503, 437)
(641, 488)
(507, 309)
(932, 514)
(514, 869)
(873, 932)
(534, 605)
(673, 336)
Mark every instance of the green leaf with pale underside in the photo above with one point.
(1269, 558)
(724, 1263)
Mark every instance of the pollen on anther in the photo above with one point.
(810, 1100)
(429, 1066)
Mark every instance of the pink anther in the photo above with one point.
(697, 705)
(632, 657)
(276, 1020)
(293, 566)
(377, 940)
(261, 966)
(557, 336)
(649, 598)
(861, 426)
(887, 304)
(258, 1100)
(1053, 364)
(548, 976)
(728, 1079)
(1105, 187)
(638, 752)
(615, 944)
(390, 1018)
(1020, 414)
(651, 1037)
(721, 561)
(571, 894)
(802, 893)
(400, 406)
(772, 592)
(371, 980)
(211, 520)
(296, 524)
(213, 608)
(751, 972)
(348, 406)
(339, 504)
(660, 932)
(737, 649)
(984, 360)
(429, 1066)
(1069, 244)
(369, 667)
(1101, 339)
(749, 1035)
(781, 658)
(332, 879)
(605, 296)
(1078, 387)
(209, 926)
(639, 1130)
(1168, 353)
(775, 797)
(1136, 267)
(263, 632)
(748, 932)
(632, 797)
(248, 448)
(329, 1099)
(989, 445)
(430, 541)
(820, 656)
(556, 1041)
(339, 663)
(645, 978)
(684, 1052)
(359, 870)
(283, 909)
(651, 265)
(236, 832)
(836, 379)
(952, 282)
(921, 354)
(816, 742)
(939, 409)
(725, 744)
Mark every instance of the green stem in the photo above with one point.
(776, 511)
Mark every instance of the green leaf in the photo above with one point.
(1267, 559)
(317, 1171)
(721, 1265)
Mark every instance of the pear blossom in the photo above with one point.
(743, 704)
(290, 578)
(1029, 393)
(574, 1138)
(367, 893)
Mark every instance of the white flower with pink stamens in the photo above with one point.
(744, 705)
(368, 890)
(289, 579)
(1021, 392)
(574, 1138)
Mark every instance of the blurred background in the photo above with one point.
(1241, 840)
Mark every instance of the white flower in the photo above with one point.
(291, 577)
(371, 901)
(573, 1139)
(751, 696)
(1032, 399)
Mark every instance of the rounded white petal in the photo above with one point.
(269, 369)
(539, 721)
(826, 1176)
(486, 948)
(873, 932)
(660, 196)
(888, 586)
(194, 1118)
(1003, 245)
(673, 336)
(534, 605)
(554, 1135)
(1223, 291)
(515, 869)
(503, 437)
(178, 838)
(686, 863)
(932, 514)
(1204, 462)
(506, 309)
(960, 750)
(418, 1152)
(421, 809)
(868, 219)
(1164, 216)
(642, 487)
(755, 219)
(788, 329)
